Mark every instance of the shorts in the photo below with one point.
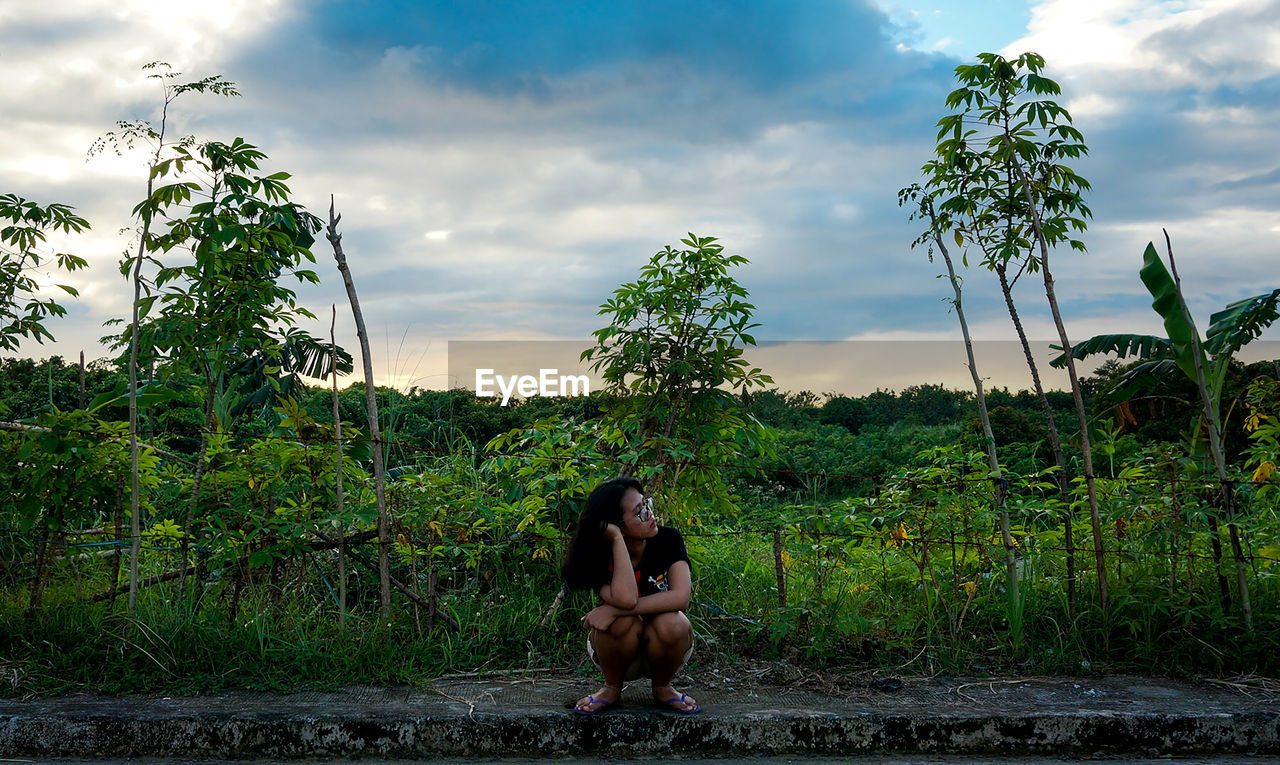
(639, 667)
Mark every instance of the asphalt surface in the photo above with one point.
(788, 760)
(487, 719)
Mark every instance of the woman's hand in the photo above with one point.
(612, 532)
(601, 617)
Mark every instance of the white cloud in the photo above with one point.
(70, 70)
(1120, 38)
(470, 214)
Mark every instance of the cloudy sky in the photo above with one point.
(502, 166)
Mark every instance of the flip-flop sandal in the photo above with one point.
(681, 699)
(593, 700)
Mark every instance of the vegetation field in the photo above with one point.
(205, 509)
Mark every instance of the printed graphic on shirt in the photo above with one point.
(659, 581)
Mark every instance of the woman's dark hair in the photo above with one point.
(586, 562)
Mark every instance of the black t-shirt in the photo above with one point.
(660, 553)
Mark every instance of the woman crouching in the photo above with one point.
(641, 571)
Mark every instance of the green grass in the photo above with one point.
(852, 606)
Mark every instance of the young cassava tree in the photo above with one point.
(1001, 183)
(672, 356)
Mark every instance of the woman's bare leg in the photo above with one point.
(615, 649)
(668, 636)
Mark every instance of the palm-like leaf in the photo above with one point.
(1229, 330)
(1145, 377)
(262, 378)
(1142, 346)
(1168, 303)
(1241, 322)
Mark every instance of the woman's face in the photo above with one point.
(638, 520)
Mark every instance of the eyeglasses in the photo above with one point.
(645, 511)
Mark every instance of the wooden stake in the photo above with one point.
(371, 403)
(779, 571)
(338, 489)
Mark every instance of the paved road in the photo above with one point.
(467, 720)
(1228, 760)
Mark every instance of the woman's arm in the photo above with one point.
(621, 591)
(676, 598)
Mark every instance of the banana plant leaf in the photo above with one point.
(1229, 330)
(1142, 346)
(263, 378)
(1168, 303)
(1241, 322)
(1146, 377)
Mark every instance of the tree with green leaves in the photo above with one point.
(1204, 361)
(24, 229)
(1000, 183)
(672, 355)
(232, 236)
(127, 135)
(217, 238)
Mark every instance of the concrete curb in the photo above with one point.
(512, 717)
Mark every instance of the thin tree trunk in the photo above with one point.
(338, 488)
(82, 397)
(989, 441)
(1215, 543)
(1225, 500)
(371, 403)
(119, 537)
(135, 521)
(199, 476)
(779, 571)
(41, 565)
(1055, 441)
(1077, 397)
(432, 601)
(546, 618)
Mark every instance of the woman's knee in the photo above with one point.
(672, 628)
(626, 626)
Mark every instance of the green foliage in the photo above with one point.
(672, 355)
(64, 470)
(219, 311)
(218, 237)
(556, 460)
(888, 542)
(1167, 302)
(24, 229)
(28, 387)
(1263, 427)
(272, 496)
(850, 414)
(1000, 172)
(1162, 359)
